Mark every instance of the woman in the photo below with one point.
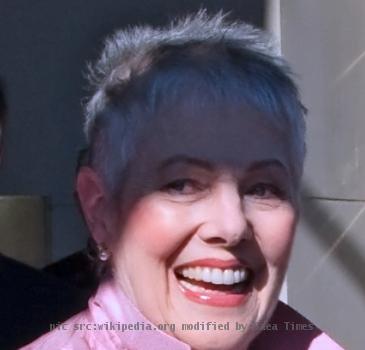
(196, 136)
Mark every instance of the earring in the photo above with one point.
(103, 253)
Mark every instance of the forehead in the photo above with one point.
(224, 135)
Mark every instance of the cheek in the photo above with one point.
(155, 227)
(274, 232)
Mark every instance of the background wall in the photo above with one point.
(44, 46)
(325, 42)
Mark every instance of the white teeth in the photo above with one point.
(192, 287)
(199, 289)
(236, 276)
(199, 271)
(215, 275)
(228, 277)
(205, 276)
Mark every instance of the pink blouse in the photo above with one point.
(104, 326)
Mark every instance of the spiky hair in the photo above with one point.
(235, 59)
(129, 52)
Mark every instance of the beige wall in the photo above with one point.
(25, 229)
(324, 40)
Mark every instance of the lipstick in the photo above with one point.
(215, 282)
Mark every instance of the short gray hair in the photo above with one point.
(130, 53)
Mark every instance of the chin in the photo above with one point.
(245, 310)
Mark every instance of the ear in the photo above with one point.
(94, 204)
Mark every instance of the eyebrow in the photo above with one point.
(267, 163)
(185, 159)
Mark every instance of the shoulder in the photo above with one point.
(288, 329)
(66, 336)
(323, 341)
(85, 331)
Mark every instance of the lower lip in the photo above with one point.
(221, 299)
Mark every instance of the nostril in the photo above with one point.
(215, 240)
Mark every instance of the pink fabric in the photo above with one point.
(111, 306)
(286, 337)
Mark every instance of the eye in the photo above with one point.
(265, 191)
(183, 186)
(264, 196)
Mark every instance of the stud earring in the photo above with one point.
(103, 253)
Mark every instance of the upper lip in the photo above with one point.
(215, 263)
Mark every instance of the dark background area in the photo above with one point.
(44, 48)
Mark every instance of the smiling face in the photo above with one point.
(206, 222)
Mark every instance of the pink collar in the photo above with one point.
(112, 307)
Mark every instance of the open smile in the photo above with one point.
(215, 282)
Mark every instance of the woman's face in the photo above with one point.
(207, 217)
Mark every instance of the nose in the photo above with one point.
(225, 222)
